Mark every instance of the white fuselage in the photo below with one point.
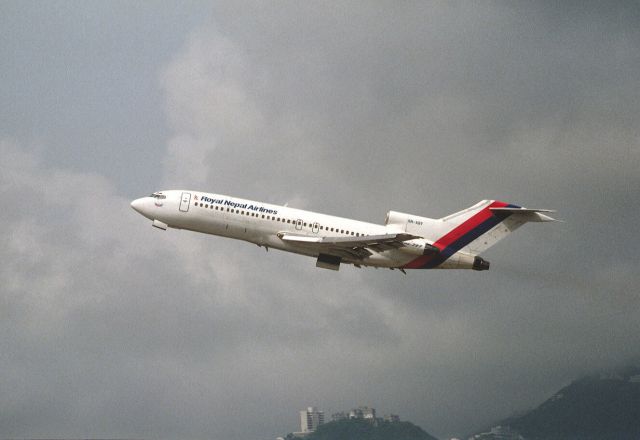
(260, 223)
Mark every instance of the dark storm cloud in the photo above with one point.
(114, 329)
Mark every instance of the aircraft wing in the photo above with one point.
(350, 247)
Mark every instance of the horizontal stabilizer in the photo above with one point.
(530, 215)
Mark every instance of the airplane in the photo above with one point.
(404, 241)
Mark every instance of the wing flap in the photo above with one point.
(299, 238)
(350, 247)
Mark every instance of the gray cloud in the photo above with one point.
(113, 329)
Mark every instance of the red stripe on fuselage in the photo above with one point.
(470, 224)
(418, 263)
(456, 233)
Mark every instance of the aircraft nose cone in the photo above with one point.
(137, 205)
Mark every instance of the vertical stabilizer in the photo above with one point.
(467, 233)
(476, 229)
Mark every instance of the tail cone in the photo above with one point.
(480, 264)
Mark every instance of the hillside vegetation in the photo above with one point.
(361, 429)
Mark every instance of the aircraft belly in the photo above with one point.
(260, 234)
(382, 259)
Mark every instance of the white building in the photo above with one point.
(368, 413)
(363, 412)
(310, 420)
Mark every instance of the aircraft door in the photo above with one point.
(299, 224)
(315, 228)
(185, 200)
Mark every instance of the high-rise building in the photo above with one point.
(311, 419)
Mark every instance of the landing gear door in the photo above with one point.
(185, 200)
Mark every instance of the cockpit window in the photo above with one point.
(158, 196)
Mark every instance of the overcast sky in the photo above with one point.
(110, 328)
